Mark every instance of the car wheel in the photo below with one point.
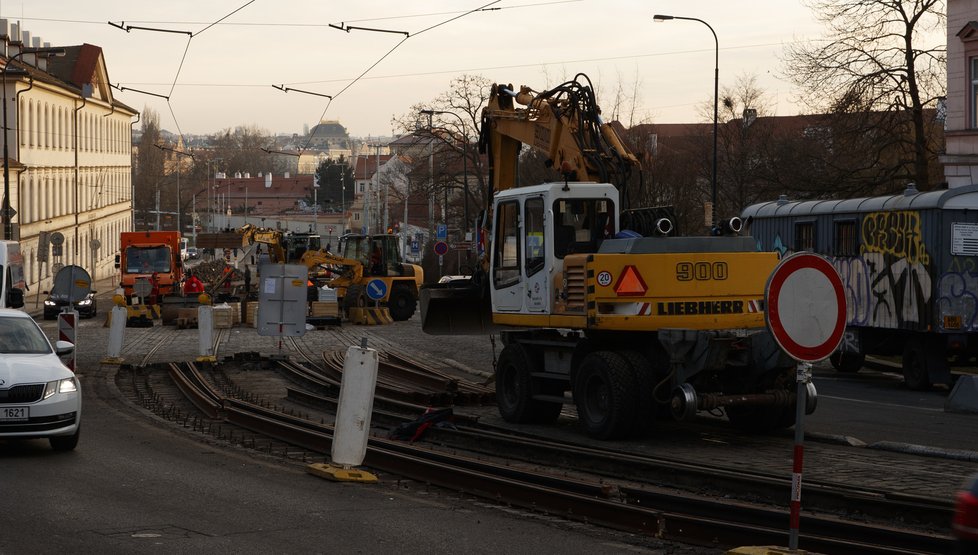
(48, 316)
(65, 443)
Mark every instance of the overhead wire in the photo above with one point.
(183, 58)
(388, 53)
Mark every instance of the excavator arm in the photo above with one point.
(320, 260)
(251, 235)
(564, 123)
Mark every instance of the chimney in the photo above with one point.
(4, 35)
(29, 59)
(14, 44)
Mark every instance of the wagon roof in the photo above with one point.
(959, 197)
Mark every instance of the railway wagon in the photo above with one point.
(909, 263)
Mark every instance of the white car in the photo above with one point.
(39, 396)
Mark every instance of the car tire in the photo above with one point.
(65, 443)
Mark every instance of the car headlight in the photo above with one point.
(66, 385)
(84, 302)
(48, 302)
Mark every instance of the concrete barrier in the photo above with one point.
(964, 395)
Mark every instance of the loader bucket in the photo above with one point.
(460, 307)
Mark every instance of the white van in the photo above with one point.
(12, 284)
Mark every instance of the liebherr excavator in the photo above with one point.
(606, 303)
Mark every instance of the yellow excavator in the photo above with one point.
(607, 303)
(364, 261)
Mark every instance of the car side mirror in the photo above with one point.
(64, 347)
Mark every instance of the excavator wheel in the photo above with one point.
(605, 391)
(515, 389)
(401, 303)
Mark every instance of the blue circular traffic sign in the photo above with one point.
(376, 289)
(441, 247)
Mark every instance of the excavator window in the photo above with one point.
(581, 224)
(533, 218)
(506, 258)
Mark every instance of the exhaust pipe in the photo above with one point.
(663, 226)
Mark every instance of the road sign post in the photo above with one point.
(806, 315)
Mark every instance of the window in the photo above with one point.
(973, 93)
(846, 238)
(581, 224)
(804, 236)
(506, 258)
(534, 235)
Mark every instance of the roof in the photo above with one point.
(367, 165)
(81, 65)
(959, 197)
(281, 197)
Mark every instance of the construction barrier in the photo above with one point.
(369, 316)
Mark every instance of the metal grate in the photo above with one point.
(22, 394)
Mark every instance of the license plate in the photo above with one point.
(14, 414)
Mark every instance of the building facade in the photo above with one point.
(69, 152)
(961, 121)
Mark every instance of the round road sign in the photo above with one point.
(142, 287)
(441, 248)
(806, 307)
(376, 289)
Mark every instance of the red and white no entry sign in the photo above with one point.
(806, 307)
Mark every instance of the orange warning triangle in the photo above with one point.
(630, 283)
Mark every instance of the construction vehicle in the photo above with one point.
(153, 256)
(362, 259)
(608, 304)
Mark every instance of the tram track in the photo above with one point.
(595, 499)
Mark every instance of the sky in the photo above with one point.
(222, 77)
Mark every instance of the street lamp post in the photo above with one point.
(7, 211)
(716, 91)
(465, 167)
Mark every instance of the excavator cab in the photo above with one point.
(379, 254)
(535, 229)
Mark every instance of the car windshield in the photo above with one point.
(22, 336)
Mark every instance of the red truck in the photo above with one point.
(145, 253)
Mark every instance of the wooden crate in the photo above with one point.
(223, 316)
(251, 314)
(320, 309)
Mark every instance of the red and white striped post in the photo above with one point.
(806, 315)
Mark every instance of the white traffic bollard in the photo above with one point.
(352, 429)
(117, 332)
(205, 329)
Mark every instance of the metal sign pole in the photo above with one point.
(803, 376)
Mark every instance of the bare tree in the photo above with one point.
(149, 169)
(454, 142)
(876, 68)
